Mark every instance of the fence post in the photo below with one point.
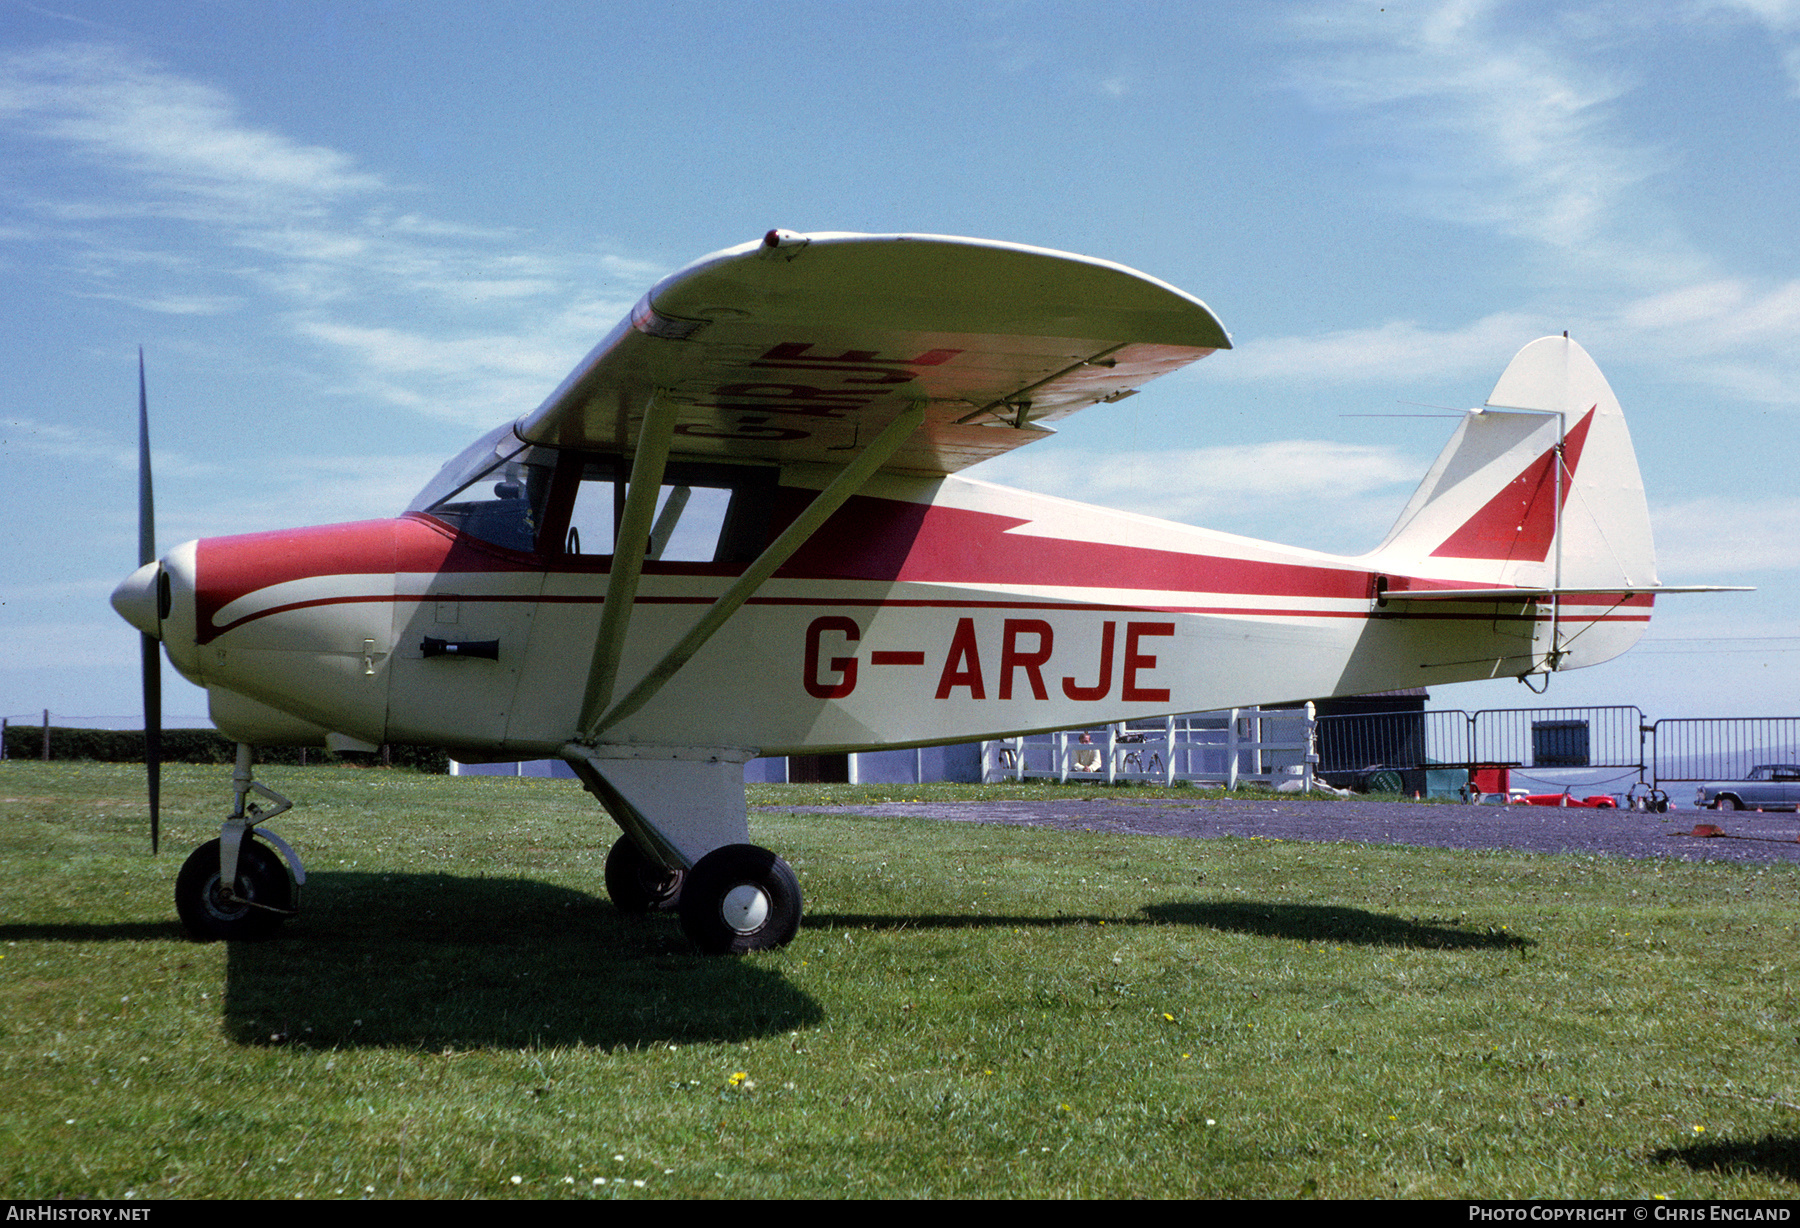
(46, 735)
(1112, 753)
(1168, 751)
(1312, 748)
(1231, 751)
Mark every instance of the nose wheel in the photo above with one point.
(740, 898)
(262, 898)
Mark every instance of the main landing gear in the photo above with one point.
(736, 899)
(237, 886)
(685, 845)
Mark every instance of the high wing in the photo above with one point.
(803, 348)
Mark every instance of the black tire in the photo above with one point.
(1727, 803)
(637, 884)
(740, 898)
(261, 877)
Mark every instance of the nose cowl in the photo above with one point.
(143, 599)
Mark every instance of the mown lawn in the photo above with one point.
(968, 1011)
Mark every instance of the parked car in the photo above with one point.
(1770, 786)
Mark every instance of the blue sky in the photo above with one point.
(350, 238)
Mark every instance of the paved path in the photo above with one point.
(1750, 835)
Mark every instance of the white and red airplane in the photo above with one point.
(736, 530)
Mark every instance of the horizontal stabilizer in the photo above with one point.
(1532, 594)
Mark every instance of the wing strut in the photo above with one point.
(654, 438)
(846, 483)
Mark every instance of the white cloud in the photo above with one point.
(34, 437)
(399, 350)
(1499, 121)
(302, 490)
(1724, 535)
(1780, 20)
(297, 236)
(1310, 492)
(128, 113)
(1722, 314)
(180, 304)
(1740, 338)
(1397, 352)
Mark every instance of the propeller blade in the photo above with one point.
(153, 736)
(152, 648)
(146, 501)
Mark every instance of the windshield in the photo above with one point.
(495, 489)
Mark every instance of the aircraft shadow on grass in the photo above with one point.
(1302, 922)
(1772, 1155)
(439, 961)
(435, 961)
(1335, 923)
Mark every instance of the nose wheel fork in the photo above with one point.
(238, 886)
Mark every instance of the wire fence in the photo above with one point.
(1723, 748)
(1266, 744)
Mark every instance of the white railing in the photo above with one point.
(1241, 745)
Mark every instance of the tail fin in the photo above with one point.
(1487, 513)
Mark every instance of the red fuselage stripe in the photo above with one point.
(870, 540)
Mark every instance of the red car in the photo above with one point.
(1599, 801)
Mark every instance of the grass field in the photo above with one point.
(967, 1011)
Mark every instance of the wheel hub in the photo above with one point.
(745, 908)
(224, 904)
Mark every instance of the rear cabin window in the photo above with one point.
(704, 513)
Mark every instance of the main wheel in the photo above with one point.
(740, 898)
(1728, 803)
(262, 879)
(638, 884)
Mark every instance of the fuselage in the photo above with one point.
(927, 610)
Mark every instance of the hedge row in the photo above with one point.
(197, 746)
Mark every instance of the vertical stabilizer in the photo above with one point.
(1488, 511)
